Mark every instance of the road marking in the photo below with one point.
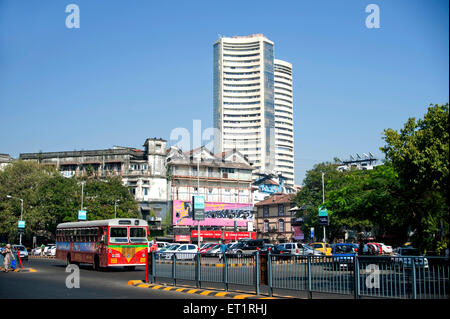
(156, 287)
(221, 294)
(169, 288)
(134, 282)
(144, 285)
(180, 289)
(242, 296)
(206, 292)
(192, 291)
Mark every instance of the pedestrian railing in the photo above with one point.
(358, 276)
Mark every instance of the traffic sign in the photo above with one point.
(323, 220)
(199, 207)
(21, 224)
(323, 211)
(81, 215)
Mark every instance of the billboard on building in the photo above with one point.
(216, 214)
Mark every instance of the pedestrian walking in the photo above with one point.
(223, 250)
(42, 249)
(8, 257)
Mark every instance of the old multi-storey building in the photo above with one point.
(142, 171)
(274, 217)
(225, 180)
(5, 160)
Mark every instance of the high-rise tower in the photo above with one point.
(245, 92)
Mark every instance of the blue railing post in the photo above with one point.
(308, 270)
(357, 278)
(225, 272)
(174, 269)
(198, 269)
(269, 270)
(153, 276)
(414, 284)
(257, 272)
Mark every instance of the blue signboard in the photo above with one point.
(81, 215)
(323, 211)
(21, 224)
(199, 202)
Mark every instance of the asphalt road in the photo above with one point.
(49, 281)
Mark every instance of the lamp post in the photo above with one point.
(21, 211)
(115, 205)
(323, 202)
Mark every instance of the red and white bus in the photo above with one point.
(103, 243)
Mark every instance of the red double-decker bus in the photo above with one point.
(103, 243)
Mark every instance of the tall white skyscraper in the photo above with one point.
(244, 102)
(284, 120)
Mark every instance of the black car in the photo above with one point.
(278, 252)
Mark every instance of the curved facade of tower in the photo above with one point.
(244, 98)
(284, 120)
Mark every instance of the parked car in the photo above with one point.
(206, 247)
(343, 255)
(293, 248)
(22, 251)
(183, 251)
(387, 250)
(52, 251)
(309, 251)
(277, 251)
(323, 248)
(213, 251)
(48, 248)
(403, 257)
(247, 247)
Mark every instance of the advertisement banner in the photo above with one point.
(229, 235)
(207, 233)
(185, 238)
(216, 214)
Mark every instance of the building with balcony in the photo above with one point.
(225, 181)
(142, 171)
(273, 218)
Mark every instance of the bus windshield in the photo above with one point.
(138, 235)
(118, 235)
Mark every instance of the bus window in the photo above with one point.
(138, 235)
(118, 235)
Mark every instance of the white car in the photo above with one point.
(22, 251)
(183, 251)
(52, 251)
(48, 249)
(386, 249)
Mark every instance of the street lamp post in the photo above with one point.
(21, 211)
(323, 202)
(115, 205)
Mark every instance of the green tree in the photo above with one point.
(420, 155)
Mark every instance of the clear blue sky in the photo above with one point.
(140, 68)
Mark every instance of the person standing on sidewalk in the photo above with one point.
(42, 249)
(8, 257)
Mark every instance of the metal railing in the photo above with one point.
(405, 277)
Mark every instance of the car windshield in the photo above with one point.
(343, 249)
(21, 248)
(118, 235)
(173, 247)
(307, 247)
(317, 245)
(138, 235)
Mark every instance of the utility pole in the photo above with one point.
(323, 202)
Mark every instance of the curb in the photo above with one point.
(200, 291)
(20, 270)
